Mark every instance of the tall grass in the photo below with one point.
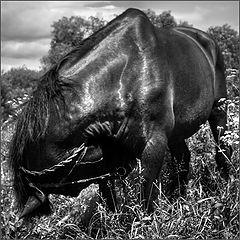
(210, 209)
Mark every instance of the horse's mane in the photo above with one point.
(33, 120)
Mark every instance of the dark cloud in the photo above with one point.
(24, 22)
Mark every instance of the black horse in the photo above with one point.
(129, 91)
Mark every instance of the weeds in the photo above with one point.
(210, 209)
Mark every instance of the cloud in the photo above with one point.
(98, 4)
(31, 50)
(23, 24)
(26, 26)
(33, 20)
(198, 14)
(106, 12)
(131, 4)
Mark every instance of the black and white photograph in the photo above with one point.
(120, 120)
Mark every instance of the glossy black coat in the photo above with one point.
(156, 85)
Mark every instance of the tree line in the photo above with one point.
(67, 33)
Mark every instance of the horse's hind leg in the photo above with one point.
(218, 124)
(180, 152)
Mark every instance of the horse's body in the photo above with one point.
(154, 87)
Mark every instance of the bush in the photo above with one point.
(228, 41)
(210, 209)
(16, 84)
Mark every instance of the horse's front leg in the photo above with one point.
(108, 194)
(152, 161)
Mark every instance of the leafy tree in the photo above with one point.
(5, 107)
(20, 78)
(185, 24)
(94, 24)
(54, 55)
(165, 19)
(228, 41)
(232, 79)
(69, 31)
(16, 83)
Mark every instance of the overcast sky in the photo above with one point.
(26, 26)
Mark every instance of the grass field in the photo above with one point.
(210, 209)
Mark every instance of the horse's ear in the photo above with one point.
(30, 206)
(33, 202)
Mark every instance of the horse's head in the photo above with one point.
(46, 132)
